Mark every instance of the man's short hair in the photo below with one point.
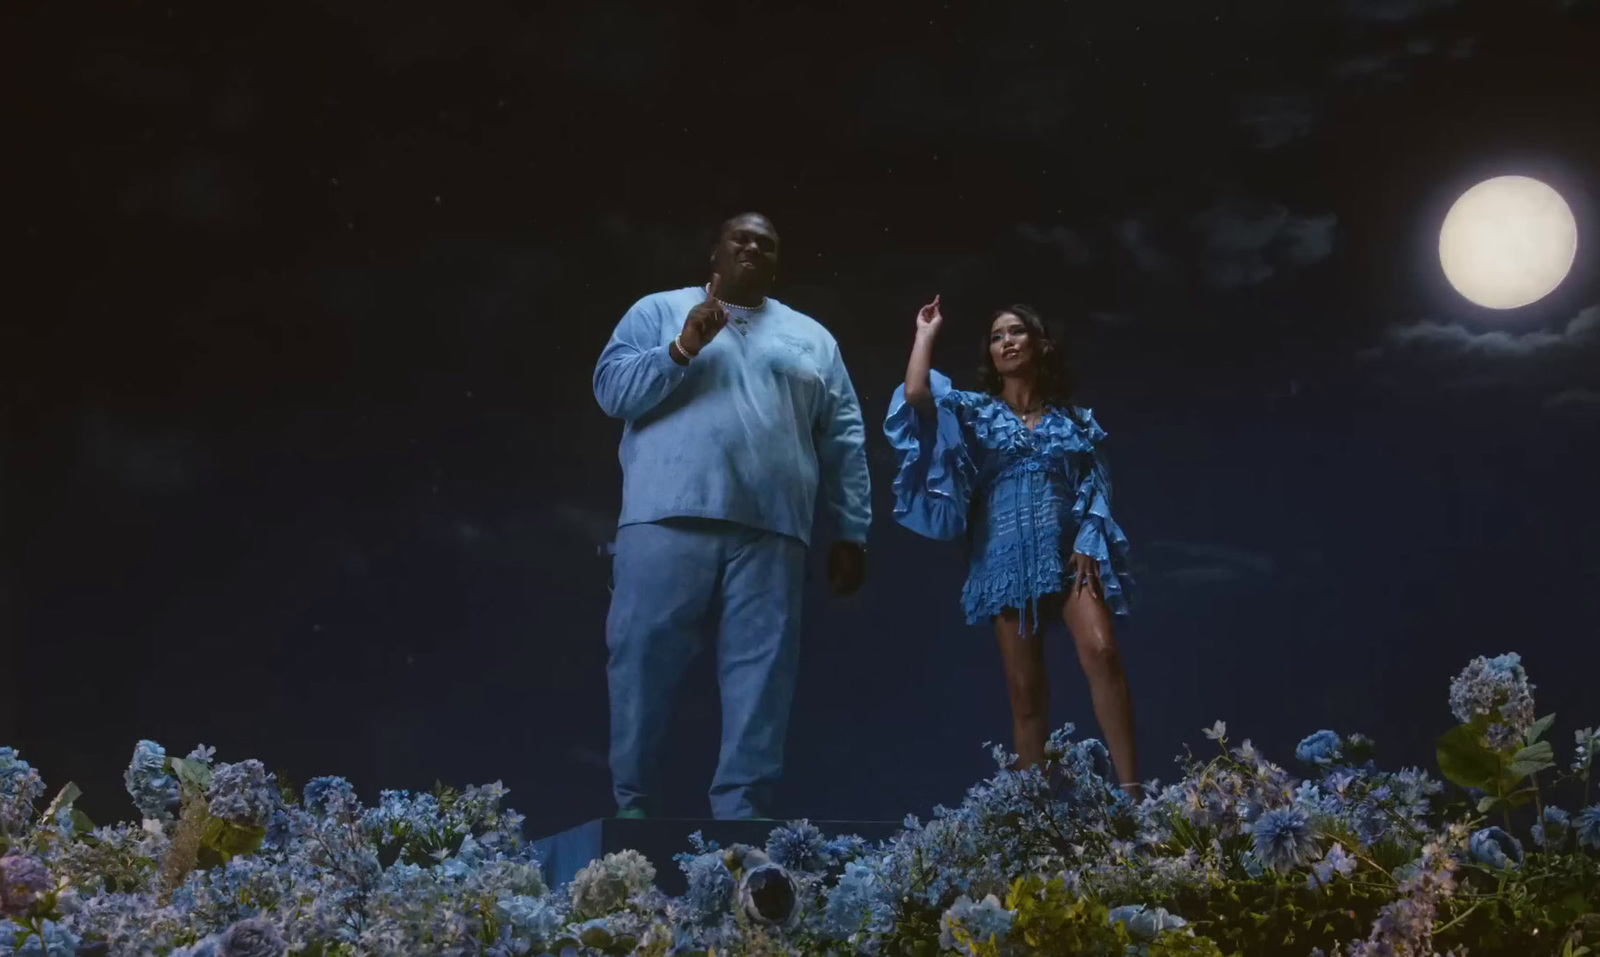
(752, 214)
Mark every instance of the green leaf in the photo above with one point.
(1531, 760)
(69, 793)
(1539, 728)
(1487, 803)
(192, 773)
(231, 840)
(1465, 761)
(81, 823)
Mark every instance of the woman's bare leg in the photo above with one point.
(1028, 686)
(1090, 623)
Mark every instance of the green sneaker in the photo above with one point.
(630, 813)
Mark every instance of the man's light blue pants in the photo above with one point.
(675, 583)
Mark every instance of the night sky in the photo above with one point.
(301, 458)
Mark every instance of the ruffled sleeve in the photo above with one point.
(934, 483)
(1099, 535)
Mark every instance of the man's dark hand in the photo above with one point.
(704, 321)
(847, 567)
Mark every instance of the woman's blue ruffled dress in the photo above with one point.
(1027, 499)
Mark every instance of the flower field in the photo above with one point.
(1235, 855)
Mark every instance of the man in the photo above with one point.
(729, 434)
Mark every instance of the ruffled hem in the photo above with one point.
(993, 586)
(933, 486)
(1101, 538)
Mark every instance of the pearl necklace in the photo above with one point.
(1025, 414)
(740, 315)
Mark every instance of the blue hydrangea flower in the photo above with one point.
(984, 921)
(860, 902)
(23, 882)
(1588, 827)
(1497, 688)
(325, 794)
(1322, 748)
(20, 787)
(244, 793)
(1553, 829)
(1283, 839)
(532, 918)
(58, 941)
(711, 886)
(154, 791)
(1494, 848)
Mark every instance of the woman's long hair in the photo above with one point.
(1053, 377)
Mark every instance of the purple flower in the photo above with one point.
(1496, 688)
(23, 882)
(1335, 861)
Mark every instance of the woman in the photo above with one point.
(1018, 470)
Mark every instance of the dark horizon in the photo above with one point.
(302, 461)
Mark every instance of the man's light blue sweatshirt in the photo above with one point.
(746, 432)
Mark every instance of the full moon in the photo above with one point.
(1508, 242)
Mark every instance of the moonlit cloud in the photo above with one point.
(1455, 339)
(1245, 243)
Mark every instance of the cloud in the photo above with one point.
(1073, 247)
(1452, 339)
(1393, 11)
(1243, 244)
(1277, 119)
(1577, 403)
(1133, 234)
(1393, 64)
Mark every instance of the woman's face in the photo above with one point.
(1011, 346)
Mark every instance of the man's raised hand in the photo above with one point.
(704, 321)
